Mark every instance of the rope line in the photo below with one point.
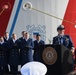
(52, 16)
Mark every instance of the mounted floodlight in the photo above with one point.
(27, 6)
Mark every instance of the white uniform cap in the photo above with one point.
(33, 68)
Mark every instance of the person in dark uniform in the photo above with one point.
(21, 39)
(3, 56)
(14, 57)
(26, 49)
(65, 40)
(23, 36)
(7, 39)
(37, 44)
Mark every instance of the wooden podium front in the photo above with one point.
(57, 58)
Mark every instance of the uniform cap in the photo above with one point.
(60, 27)
(33, 68)
(38, 35)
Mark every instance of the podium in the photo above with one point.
(57, 58)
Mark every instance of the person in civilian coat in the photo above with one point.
(37, 44)
(3, 56)
(14, 56)
(26, 49)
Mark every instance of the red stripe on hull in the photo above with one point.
(70, 15)
(6, 7)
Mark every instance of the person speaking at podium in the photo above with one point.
(63, 39)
